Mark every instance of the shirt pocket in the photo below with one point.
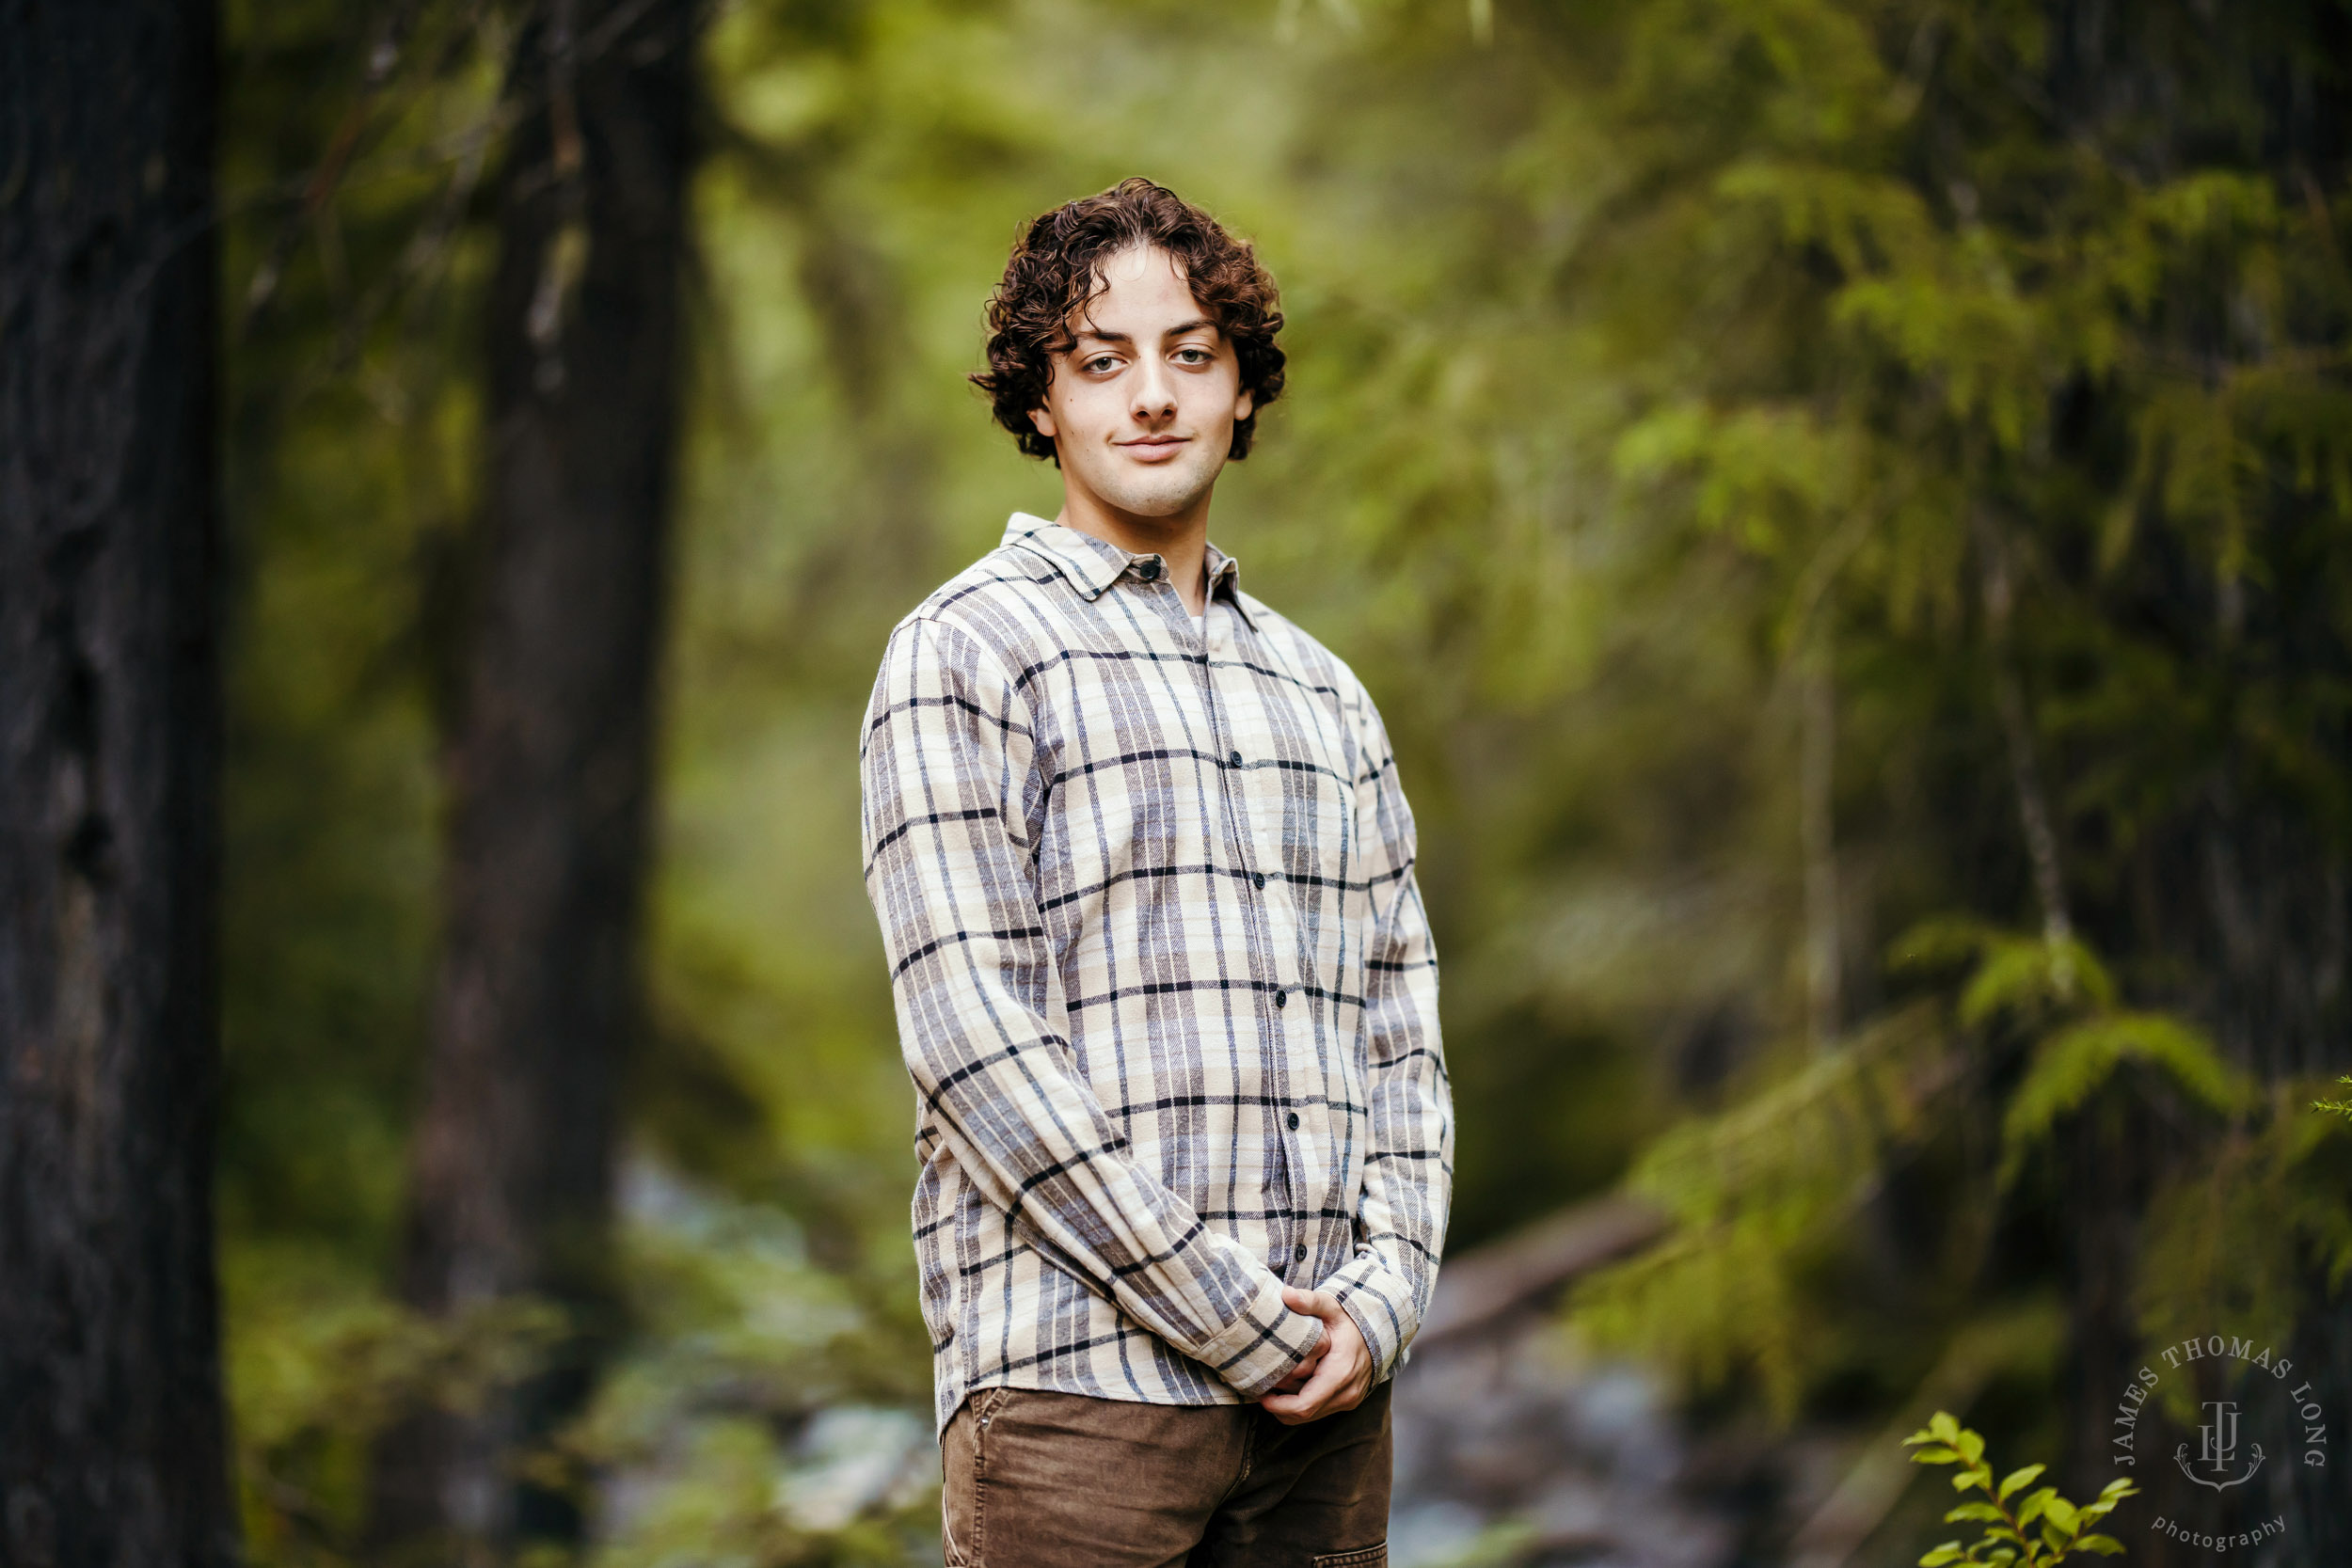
(1307, 810)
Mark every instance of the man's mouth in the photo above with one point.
(1154, 449)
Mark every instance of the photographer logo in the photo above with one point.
(2218, 1451)
(2256, 1411)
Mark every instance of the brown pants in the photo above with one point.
(1038, 1479)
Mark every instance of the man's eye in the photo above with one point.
(1193, 355)
(1101, 362)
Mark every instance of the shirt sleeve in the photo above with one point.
(947, 764)
(1408, 1170)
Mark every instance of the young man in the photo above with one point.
(1145, 879)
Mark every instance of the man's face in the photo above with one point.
(1142, 407)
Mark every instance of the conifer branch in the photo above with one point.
(2337, 1107)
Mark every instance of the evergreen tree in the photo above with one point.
(111, 1429)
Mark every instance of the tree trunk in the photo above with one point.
(550, 754)
(111, 1431)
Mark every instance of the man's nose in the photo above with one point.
(1155, 393)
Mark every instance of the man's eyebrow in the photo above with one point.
(1101, 335)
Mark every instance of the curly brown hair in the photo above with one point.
(1054, 270)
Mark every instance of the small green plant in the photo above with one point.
(2038, 1529)
(2340, 1107)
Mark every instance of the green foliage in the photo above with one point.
(349, 429)
(1753, 1193)
(321, 1365)
(2076, 1061)
(2023, 976)
(2336, 1107)
(2039, 1528)
(1760, 1192)
(740, 1342)
(1916, 352)
(2234, 1233)
(2062, 996)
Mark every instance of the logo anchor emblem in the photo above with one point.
(2218, 1448)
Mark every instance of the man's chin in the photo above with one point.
(1174, 495)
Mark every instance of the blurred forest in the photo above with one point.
(1845, 506)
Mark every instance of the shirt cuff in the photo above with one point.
(1381, 1303)
(1257, 1350)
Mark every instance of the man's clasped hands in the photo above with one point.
(1335, 1375)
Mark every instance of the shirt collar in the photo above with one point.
(1093, 564)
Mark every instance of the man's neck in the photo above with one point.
(1181, 539)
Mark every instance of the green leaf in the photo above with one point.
(1972, 1445)
(1938, 1455)
(2019, 973)
(1966, 1479)
(1972, 1511)
(1948, 1552)
(2123, 1486)
(2105, 1545)
(2065, 1515)
(2031, 1509)
(2016, 1479)
(1941, 942)
(2074, 1064)
(1946, 1429)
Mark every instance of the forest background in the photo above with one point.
(1844, 505)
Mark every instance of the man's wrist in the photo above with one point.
(1354, 1307)
(1362, 1289)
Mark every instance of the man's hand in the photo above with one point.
(1337, 1373)
(1296, 1377)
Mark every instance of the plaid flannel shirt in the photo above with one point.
(1163, 981)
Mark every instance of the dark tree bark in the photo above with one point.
(111, 1431)
(549, 752)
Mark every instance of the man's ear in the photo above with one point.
(1043, 417)
(1244, 403)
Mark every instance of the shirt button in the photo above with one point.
(1293, 1118)
(1149, 571)
(1282, 999)
(1257, 878)
(1299, 1252)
